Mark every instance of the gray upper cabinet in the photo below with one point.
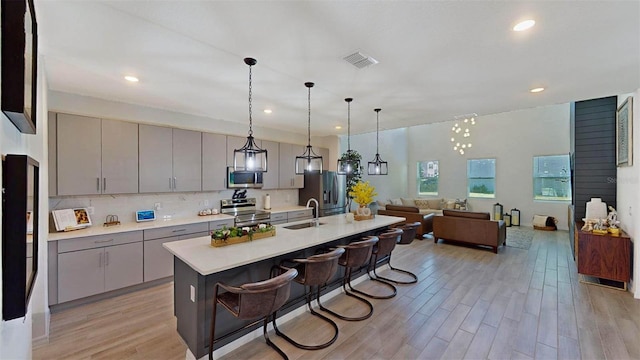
(155, 161)
(234, 142)
(52, 120)
(187, 162)
(271, 177)
(287, 158)
(96, 156)
(324, 152)
(214, 162)
(170, 159)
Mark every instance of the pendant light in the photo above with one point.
(250, 158)
(309, 160)
(348, 165)
(378, 166)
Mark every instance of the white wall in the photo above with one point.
(628, 192)
(513, 139)
(15, 335)
(393, 149)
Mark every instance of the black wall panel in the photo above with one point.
(593, 144)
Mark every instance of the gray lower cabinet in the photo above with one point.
(300, 215)
(93, 271)
(158, 262)
(279, 218)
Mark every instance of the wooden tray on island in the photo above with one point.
(241, 239)
(362, 217)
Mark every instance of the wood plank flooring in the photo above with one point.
(468, 304)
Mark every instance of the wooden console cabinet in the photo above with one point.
(604, 256)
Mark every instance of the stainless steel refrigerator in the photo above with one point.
(328, 188)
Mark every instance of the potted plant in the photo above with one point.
(363, 193)
(354, 176)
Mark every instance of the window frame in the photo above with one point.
(567, 178)
(469, 193)
(419, 178)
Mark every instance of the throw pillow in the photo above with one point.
(435, 204)
(423, 204)
(382, 203)
(461, 204)
(408, 202)
(395, 201)
(449, 204)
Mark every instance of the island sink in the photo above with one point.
(302, 226)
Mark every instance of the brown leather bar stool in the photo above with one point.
(253, 301)
(356, 255)
(382, 252)
(406, 238)
(314, 272)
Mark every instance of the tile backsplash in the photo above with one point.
(174, 205)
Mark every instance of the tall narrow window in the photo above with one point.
(428, 177)
(551, 178)
(481, 178)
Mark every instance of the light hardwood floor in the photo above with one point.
(468, 304)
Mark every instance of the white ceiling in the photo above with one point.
(437, 59)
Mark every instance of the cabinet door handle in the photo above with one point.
(106, 262)
(104, 184)
(103, 241)
(100, 260)
(98, 184)
(179, 230)
(174, 183)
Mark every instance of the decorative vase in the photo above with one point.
(363, 210)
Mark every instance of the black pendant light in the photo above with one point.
(349, 163)
(309, 160)
(250, 158)
(378, 166)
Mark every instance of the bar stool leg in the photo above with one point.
(376, 278)
(414, 276)
(269, 342)
(345, 280)
(309, 296)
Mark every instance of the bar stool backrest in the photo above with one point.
(409, 233)
(358, 253)
(319, 269)
(387, 242)
(259, 299)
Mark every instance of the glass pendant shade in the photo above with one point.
(309, 160)
(250, 157)
(377, 166)
(348, 163)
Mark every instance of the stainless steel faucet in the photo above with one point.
(316, 220)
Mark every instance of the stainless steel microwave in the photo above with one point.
(243, 179)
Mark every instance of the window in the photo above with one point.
(481, 178)
(428, 177)
(551, 178)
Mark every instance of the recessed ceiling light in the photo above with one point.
(524, 25)
(268, 111)
(537, 90)
(338, 127)
(131, 78)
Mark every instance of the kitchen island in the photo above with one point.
(198, 266)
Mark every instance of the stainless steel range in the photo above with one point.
(245, 212)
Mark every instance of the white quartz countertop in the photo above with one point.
(98, 229)
(205, 259)
(282, 209)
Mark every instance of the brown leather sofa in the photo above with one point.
(412, 214)
(469, 227)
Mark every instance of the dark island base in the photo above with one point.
(194, 317)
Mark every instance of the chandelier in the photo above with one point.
(348, 163)
(377, 166)
(309, 160)
(250, 157)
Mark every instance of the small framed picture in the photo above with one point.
(145, 215)
(624, 133)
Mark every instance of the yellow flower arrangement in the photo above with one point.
(363, 193)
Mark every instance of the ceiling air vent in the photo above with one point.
(360, 60)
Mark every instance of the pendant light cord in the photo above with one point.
(348, 125)
(377, 129)
(250, 105)
(309, 123)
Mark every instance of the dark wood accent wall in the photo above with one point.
(593, 147)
